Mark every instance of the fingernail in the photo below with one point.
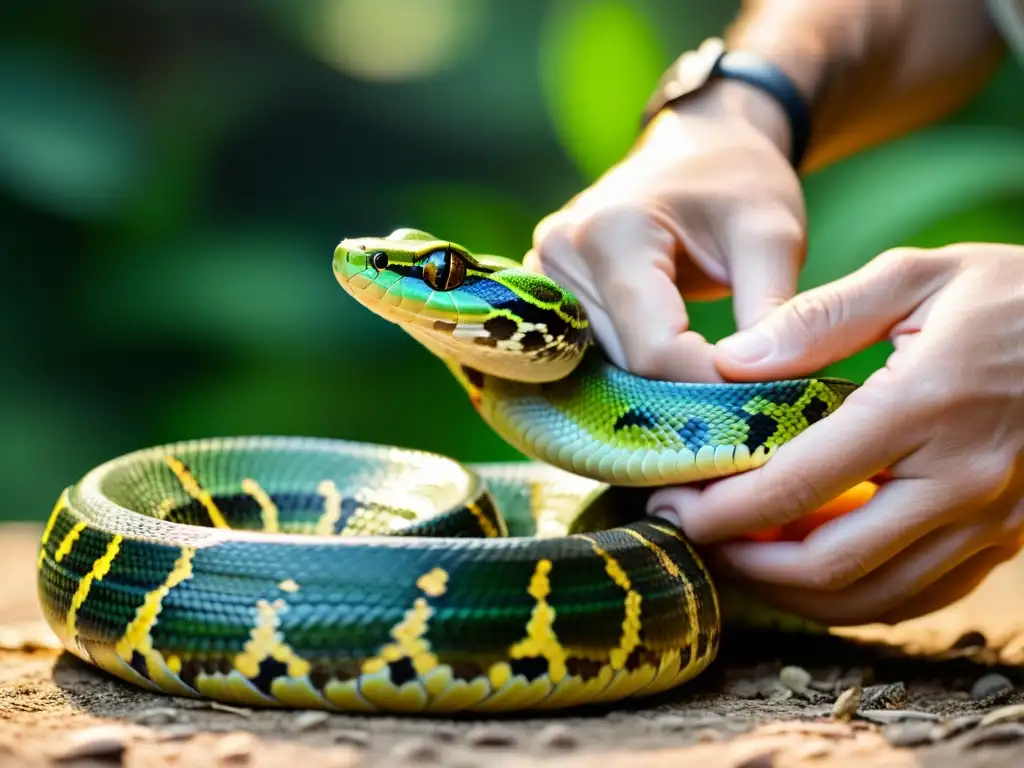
(667, 514)
(746, 346)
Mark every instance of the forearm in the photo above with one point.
(872, 69)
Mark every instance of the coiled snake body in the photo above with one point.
(328, 574)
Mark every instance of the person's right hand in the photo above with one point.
(706, 204)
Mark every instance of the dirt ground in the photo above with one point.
(944, 690)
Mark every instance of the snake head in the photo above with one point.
(483, 312)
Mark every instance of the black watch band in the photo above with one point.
(681, 80)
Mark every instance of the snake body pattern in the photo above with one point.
(314, 573)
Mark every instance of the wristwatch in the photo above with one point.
(695, 69)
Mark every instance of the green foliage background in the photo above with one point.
(174, 177)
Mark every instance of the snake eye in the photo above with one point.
(379, 260)
(444, 270)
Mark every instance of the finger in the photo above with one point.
(893, 585)
(849, 547)
(953, 586)
(631, 255)
(826, 324)
(802, 476)
(765, 256)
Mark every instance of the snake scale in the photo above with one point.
(318, 573)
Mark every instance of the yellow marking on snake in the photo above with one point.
(137, 634)
(99, 569)
(268, 509)
(266, 642)
(663, 559)
(540, 639)
(164, 508)
(64, 548)
(485, 522)
(288, 585)
(434, 583)
(192, 488)
(630, 637)
(62, 502)
(332, 508)
(408, 633)
(692, 609)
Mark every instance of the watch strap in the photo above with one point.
(694, 69)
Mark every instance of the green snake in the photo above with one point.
(315, 573)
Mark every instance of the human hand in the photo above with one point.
(944, 419)
(705, 203)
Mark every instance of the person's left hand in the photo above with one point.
(944, 417)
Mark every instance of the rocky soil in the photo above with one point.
(944, 690)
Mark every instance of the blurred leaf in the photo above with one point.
(67, 142)
(480, 218)
(599, 61)
(255, 290)
(876, 200)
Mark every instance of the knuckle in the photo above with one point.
(647, 361)
(814, 312)
(913, 265)
(835, 569)
(986, 477)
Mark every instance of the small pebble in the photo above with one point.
(416, 750)
(796, 679)
(178, 732)
(307, 721)
(104, 742)
(762, 760)
(158, 716)
(235, 748)
(955, 727)
(1013, 713)
(888, 716)
(672, 722)
(240, 711)
(991, 686)
(557, 736)
(354, 737)
(912, 734)
(708, 735)
(1003, 733)
(490, 736)
(847, 703)
(885, 696)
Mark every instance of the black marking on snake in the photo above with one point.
(349, 506)
(475, 377)
(533, 340)
(584, 669)
(466, 670)
(783, 393)
(191, 669)
(636, 416)
(486, 341)
(269, 670)
(760, 427)
(694, 433)
(530, 667)
(543, 292)
(401, 671)
(445, 326)
(815, 410)
(138, 663)
(501, 327)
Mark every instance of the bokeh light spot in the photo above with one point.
(395, 40)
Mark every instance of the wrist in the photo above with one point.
(733, 100)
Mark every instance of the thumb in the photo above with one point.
(765, 255)
(825, 324)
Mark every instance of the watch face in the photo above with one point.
(691, 70)
(687, 74)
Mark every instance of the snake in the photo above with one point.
(322, 573)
